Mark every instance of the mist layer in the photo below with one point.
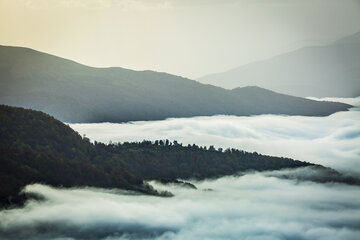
(254, 206)
(331, 141)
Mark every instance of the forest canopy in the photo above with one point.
(35, 147)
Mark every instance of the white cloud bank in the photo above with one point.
(254, 206)
(331, 141)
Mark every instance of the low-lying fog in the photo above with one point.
(273, 205)
(331, 141)
(254, 206)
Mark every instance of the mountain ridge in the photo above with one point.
(315, 71)
(37, 148)
(73, 92)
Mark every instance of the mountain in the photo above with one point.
(76, 93)
(320, 71)
(36, 148)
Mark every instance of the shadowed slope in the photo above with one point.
(76, 93)
(36, 148)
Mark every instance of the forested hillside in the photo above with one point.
(35, 147)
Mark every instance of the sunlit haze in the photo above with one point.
(180, 119)
(182, 37)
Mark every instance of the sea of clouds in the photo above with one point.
(331, 141)
(273, 205)
(254, 206)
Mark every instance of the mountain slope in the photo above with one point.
(321, 71)
(76, 93)
(36, 148)
(263, 106)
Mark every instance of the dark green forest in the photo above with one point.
(37, 148)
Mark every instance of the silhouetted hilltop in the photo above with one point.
(76, 93)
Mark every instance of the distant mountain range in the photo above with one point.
(76, 93)
(319, 71)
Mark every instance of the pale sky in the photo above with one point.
(190, 38)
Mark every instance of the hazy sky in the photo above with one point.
(184, 37)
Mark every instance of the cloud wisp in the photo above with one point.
(253, 206)
(332, 141)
